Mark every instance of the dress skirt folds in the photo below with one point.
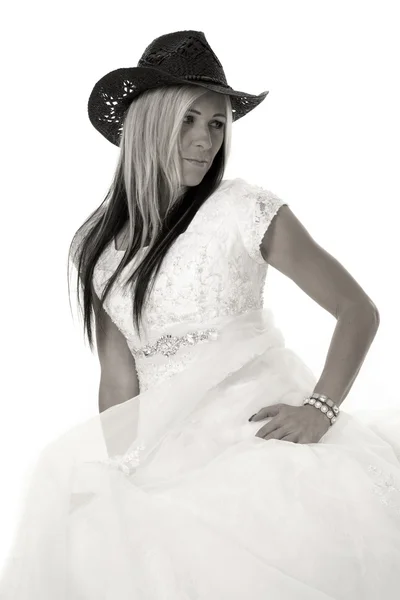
(171, 496)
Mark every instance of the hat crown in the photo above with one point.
(184, 54)
(172, 59)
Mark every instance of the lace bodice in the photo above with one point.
(213, 270)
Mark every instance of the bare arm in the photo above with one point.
(118, 380)
(289, 248)
(110, 396)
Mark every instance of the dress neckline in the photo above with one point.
(113, 242)
(113, 246)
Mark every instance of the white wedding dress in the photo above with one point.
(170, 495)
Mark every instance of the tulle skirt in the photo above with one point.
(171, 495)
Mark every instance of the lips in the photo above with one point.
(199, 162)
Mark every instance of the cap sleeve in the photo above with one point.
(254, 208)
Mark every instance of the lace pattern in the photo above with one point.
(214, 269)
(255, 208)
(386, 488)
(152, 373)
(127, 463)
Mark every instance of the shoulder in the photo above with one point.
(287, 242)
(251, 195)
(253, 208)
(259, 204)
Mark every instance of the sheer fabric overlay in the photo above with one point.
(171, 495)
(204, 491)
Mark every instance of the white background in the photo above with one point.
(326, 139)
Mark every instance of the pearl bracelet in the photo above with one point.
(327, 401)
(324, 404)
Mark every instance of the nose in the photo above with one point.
(201, 136)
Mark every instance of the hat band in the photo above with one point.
(206, 79)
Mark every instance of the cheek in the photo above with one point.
(219, 144)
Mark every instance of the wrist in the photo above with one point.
(325, 405)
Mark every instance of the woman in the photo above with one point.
(174, 491)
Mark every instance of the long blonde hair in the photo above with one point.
(148, 169)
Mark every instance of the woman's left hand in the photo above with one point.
(301, 424)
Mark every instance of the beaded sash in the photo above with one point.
(170, 344)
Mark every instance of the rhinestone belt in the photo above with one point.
(169, 344)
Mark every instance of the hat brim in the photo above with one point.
(114, 92)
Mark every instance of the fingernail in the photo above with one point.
(251, 418)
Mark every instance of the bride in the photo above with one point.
(218, 466)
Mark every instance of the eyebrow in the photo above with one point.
(199, 113)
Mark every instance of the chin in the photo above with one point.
(191, 179)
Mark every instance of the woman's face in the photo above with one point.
(202, 135)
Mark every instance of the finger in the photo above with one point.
(268, 428)
(290, 437)
(266, 411)
(277, 434)
(274, 435)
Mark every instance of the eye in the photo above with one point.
(219, 123)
